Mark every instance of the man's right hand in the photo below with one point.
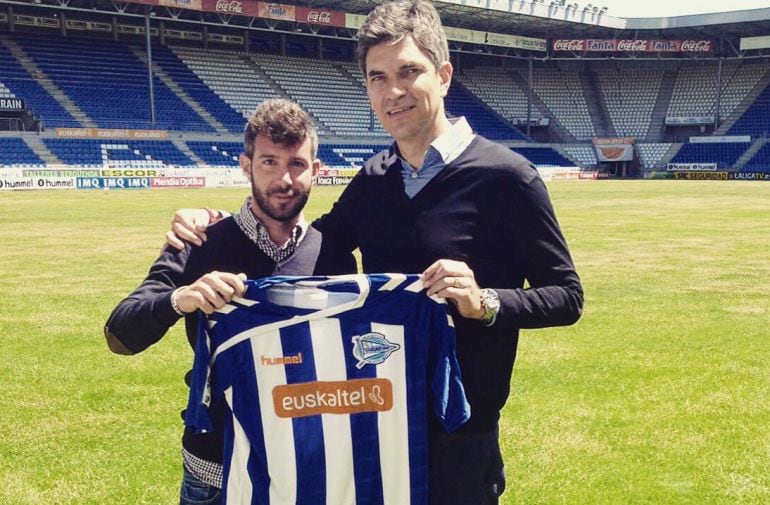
(210, 292)
(188, 225)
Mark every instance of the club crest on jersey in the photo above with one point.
(372, 349)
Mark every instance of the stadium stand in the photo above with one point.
(347, 156)
(225, 154)
(695, 90)
(5, 92)
(495, 87)
(630, 93)
(760, 162)
(584, 156)
(561, 91)
(230, 75)
(460, 102)
(756, 120)
(203, 95)
(14, 152)
(197, 89)
(724, 154)
(118, 153)
(341, 109)
(217, 153)
(91, 74)
(17, 80)
(651, 154)
(544, 156)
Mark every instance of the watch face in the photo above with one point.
(490, 299)
(491, 303)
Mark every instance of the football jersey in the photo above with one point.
(328, 382)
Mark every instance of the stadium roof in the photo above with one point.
(544, 19)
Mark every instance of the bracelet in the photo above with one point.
(173, 302)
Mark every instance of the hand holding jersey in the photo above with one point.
(209, 293)
(454, 280)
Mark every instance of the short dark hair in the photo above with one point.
(282, 121)
(393, 21)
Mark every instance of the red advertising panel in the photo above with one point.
(178, 182)
(235, 7)
(633, 45)
(320, 17)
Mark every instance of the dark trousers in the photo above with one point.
(465, 469)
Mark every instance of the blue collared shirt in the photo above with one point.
(442, 151)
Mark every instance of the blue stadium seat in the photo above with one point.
(756, 120)
(14, 151)
(216, 153)
(109, 83)
(544, 156)
(118, 153)
(197, 89)
(724, 154)
(38, 100)
(760, 162)
(347, 155)
(460, 102)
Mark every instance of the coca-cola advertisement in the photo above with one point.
(320, 17)
(569, 45)
(633, 45)
(233, 7)
(697, 46)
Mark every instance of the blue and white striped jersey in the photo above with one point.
(328, 381)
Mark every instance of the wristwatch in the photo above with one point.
(490, 302)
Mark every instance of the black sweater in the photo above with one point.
(145, 315)
(490, 209)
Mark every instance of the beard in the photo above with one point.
(285, 211)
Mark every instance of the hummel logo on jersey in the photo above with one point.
(333, 397)
(372, 349)
(294, 359)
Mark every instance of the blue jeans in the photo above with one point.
(195, 492)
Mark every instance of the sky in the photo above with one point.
(668, 8)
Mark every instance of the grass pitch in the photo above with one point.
(659, 395)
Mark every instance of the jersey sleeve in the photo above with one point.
(450, 404)
(197, 416)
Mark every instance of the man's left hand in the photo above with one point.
(454, 280)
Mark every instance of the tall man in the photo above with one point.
(268, 236)
(464, 211)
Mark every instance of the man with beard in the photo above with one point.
(268, 236)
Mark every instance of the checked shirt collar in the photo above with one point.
(257, 233)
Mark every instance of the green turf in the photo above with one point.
(659, 395)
